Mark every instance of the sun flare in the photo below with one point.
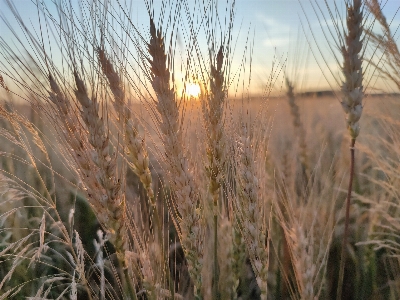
(193, 90)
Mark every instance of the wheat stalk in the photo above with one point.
(213, 109)
(139, 160)
(92, 158)
(352, 90)
(186, 194)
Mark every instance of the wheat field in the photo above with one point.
(135, 163)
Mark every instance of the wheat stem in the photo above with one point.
(352, 90)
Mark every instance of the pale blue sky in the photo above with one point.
(274, 28)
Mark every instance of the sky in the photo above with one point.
(278, 36)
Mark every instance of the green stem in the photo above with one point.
(346, 225)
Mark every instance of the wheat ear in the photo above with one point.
(3, 84)
(136, 145)
(298, 125)
(301, 248)
(213, 109)
(186, 194)
(139, 160)
(80, 151)
(250, 212)
(106, 163)
(137, 154)
(107, 178)
(352, 90)
(226, 255)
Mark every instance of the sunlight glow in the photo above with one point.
(193, 90)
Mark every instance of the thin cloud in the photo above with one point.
(276, 42)
(277, 33)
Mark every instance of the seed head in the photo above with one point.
(352, 88)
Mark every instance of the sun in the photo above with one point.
(193, 90)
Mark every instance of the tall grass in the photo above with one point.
(115, 185)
